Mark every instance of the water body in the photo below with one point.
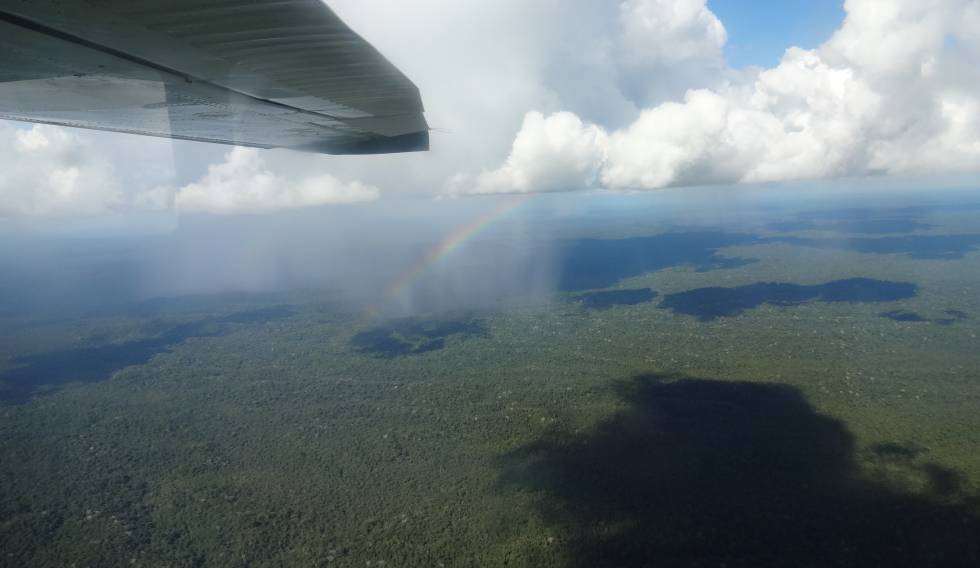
(714, 302)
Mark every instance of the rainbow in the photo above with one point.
(450, 244)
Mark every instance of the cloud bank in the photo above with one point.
(890, 92)
(243, 184)
(45, 170)
(59, 172)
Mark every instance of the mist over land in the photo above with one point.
(730, 373)
(544, 245)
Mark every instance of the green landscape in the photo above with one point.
(803, 393)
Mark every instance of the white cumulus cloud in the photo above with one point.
(670, 31)
(47, 171)
(553, 153)
(243, 184)
(890, 92)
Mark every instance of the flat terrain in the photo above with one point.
(799, 388)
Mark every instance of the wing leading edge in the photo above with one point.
(263, 73)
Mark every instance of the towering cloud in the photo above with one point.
(556, 153)
(890, 92)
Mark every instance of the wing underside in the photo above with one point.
(263, 73)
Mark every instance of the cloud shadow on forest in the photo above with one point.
(857, 220)
(921, 247)
(588, 264)
(714, 302)
(697, 472)
(413, 335)
(98, 363)
(952, 316)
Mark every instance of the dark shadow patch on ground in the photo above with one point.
(902, 315)
(92, 364)
(715, 302)
(411, 336)
(860, 221)
(587, 264)
(936, 247)
(189, 304)
(696, 472)
(912, 317)
(864, 226)
(607, 299)
(891, 451)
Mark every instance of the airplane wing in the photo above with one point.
(263, 73)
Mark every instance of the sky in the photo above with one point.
(564, 95)
(760, 30)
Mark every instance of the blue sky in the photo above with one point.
(760, 30)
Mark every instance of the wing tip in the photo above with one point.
(411, 142)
